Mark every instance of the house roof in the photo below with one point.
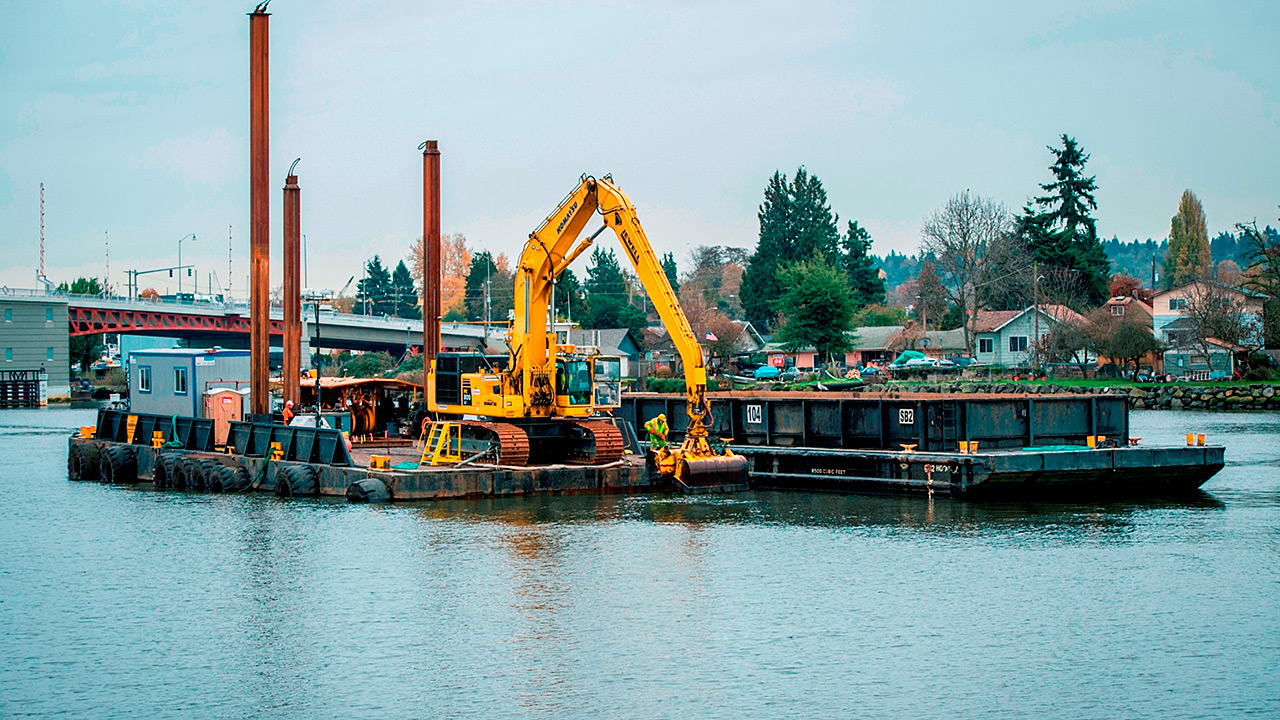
(995, 320)
(609, 340)
(1129, 301)
(875, 338)
(1215, 283)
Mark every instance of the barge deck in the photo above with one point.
(179, 453)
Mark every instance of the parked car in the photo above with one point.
(767, 372)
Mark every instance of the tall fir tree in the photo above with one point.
(480, 279)
(760, 283)
(669, 269)
(403, 293)
(569, 297)
(1061, 231)
(1189, 257)
(796, 224)
(864, 276)
(374, 292)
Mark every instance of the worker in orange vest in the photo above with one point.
(288, 412)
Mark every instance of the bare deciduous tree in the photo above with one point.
(1218, 312)
(959, 234)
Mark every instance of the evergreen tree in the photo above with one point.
(403, 293)
(817, 308)
(669, 269)
(607, 297)
(796, 224)
(814, 225)
(480, 283)
(374, 291)
(1060, 230)
(569, 296)
(864, 276)
(1189, 257)
(760, 283)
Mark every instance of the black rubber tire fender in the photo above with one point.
(215, 475)
(202, 475)
(162, 473)
(296, 481)
(82, 461)
(119, 465)
(181, 476)
(234, 478)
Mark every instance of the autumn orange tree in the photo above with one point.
(455, 261)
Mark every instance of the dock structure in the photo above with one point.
(854, 454)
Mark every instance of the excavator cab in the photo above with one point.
(573, 382)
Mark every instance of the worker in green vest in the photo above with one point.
(657, 429)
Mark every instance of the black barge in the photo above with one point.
(966, 446)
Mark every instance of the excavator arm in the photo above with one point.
(620, 216)
(546, 255)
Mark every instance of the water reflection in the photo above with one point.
(120, 602)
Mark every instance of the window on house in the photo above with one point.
(48, 353)
(8, 314)
(48, 314)
(986, 345)
(1177, 303)
(8, 354)
(1117, 309)
(144, 378)
(1017, 343)
(179, 381)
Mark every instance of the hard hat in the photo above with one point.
(289, 404)
(662, 417)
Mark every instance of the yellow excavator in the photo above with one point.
(541, 402)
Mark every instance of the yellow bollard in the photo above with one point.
(1191, 439)
(1091, 441)
(1200, 439)
(964, 447)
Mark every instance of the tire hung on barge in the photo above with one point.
(82, 462)
(297, 481)
(119, 465)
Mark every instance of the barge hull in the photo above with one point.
(1075, 474)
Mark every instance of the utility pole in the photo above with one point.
(1035, 294)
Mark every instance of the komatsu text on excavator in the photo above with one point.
(543, 401)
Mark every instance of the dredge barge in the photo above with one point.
(971, 447)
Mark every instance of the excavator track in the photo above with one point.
(609, 444)
(513, 442)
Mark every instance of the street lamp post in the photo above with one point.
(184, 237)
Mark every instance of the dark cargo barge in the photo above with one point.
(969, 446)
(978, 446)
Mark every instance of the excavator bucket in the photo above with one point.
(716, 473)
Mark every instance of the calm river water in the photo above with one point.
(120, 602)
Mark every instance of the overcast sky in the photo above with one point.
(135, 117)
